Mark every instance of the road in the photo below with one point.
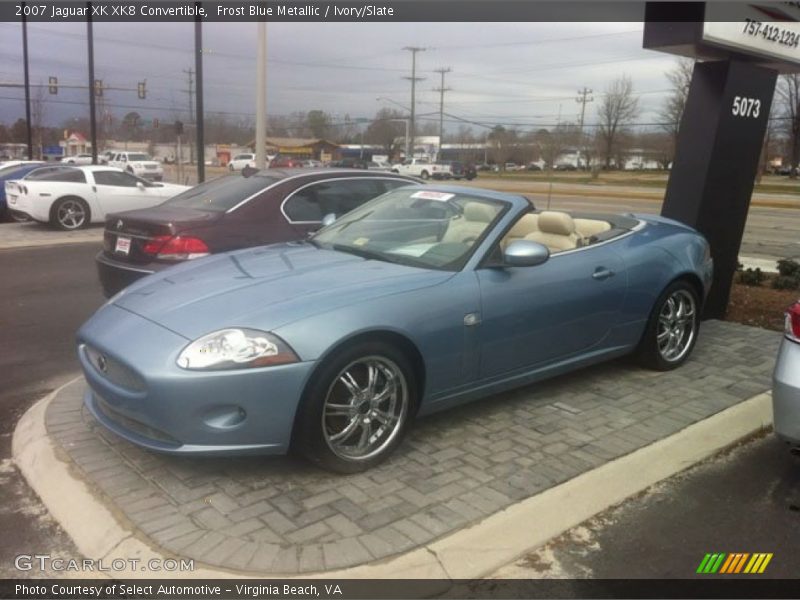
(746, 500)
(45, 294)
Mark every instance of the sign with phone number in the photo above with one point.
(756, 33)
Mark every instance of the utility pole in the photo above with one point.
(582, 99)
(92, 84)
(198, 65)
(414, 79)
(190, 91)
(261, 97)
(441, 89)
(28, 131)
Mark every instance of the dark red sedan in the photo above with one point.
(231, 212)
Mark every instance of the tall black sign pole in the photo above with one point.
(92, 115)
(198, 67)
(716, 159)
(26, 67)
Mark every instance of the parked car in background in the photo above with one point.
(349, 163)
(565, 167)
(231, 212)
(786, 382)
(286, 162)
(422, 299)
(139, 164)
(77, 159)
(72, 197)
(240, 161)
(13, 170)
(312, 163)
(376, 165)
(459, 170)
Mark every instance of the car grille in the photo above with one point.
(134, 425)
(114, 371)
(151, 167)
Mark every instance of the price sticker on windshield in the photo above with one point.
(429, 195)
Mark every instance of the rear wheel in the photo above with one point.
(356, 409)
(672, 329)
(69, 213)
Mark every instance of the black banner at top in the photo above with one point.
(338, 10)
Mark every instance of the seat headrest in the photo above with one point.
(556, 222)
(476, 211)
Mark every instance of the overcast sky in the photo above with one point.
(524, 74)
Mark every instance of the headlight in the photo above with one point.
(236, 349)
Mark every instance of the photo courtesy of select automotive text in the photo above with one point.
(403, 299)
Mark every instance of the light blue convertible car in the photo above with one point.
(423, 298)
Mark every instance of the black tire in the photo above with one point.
(70, 213)
(315, 425)
(230, 168)
(424, 175)
(664, 324)
(129, 170)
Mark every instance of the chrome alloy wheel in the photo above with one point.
(676, 325)
(71, 214)
(365, 408)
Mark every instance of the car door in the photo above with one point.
(531, 316)
(118, 191)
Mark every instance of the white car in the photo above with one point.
(240, 161)
(72, 197)
(78, 159)
(137, 163)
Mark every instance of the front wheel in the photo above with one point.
(672, 329)
(424, 175)
(69, 214)
(356, 409)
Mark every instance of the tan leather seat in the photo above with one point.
(471, 224)
(526, 225)
(586, 228)
(556, 231)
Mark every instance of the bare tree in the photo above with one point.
(680, 77)
(617, 109)
(788, 91)
(387, 130)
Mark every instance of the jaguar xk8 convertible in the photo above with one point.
(421, 299)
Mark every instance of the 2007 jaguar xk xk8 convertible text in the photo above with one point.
(421, 299)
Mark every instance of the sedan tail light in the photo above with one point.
(167, 247)
(792, 326)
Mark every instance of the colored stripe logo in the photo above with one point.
(734, 563)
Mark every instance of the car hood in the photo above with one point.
(266, 288)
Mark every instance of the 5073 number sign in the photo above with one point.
(746, 107)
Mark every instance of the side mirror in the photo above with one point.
(525, 253)
(328, 219)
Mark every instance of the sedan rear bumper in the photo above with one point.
(786, 392)
(116, 276)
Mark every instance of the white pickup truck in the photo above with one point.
(137, 163)
(422, 167)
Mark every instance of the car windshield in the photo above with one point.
(222, 193)
(423, 228)
(138, 157)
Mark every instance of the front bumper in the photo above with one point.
(137, 391)
(786, 392)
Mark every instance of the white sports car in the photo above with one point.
(72, 197)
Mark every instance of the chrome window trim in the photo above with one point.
(298, 176)
(369, 177)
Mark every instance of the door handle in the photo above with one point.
(601, 273)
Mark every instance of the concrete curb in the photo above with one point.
(473, 552)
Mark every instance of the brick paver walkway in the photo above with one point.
(280, 515)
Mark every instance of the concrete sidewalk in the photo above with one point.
(466, 493)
